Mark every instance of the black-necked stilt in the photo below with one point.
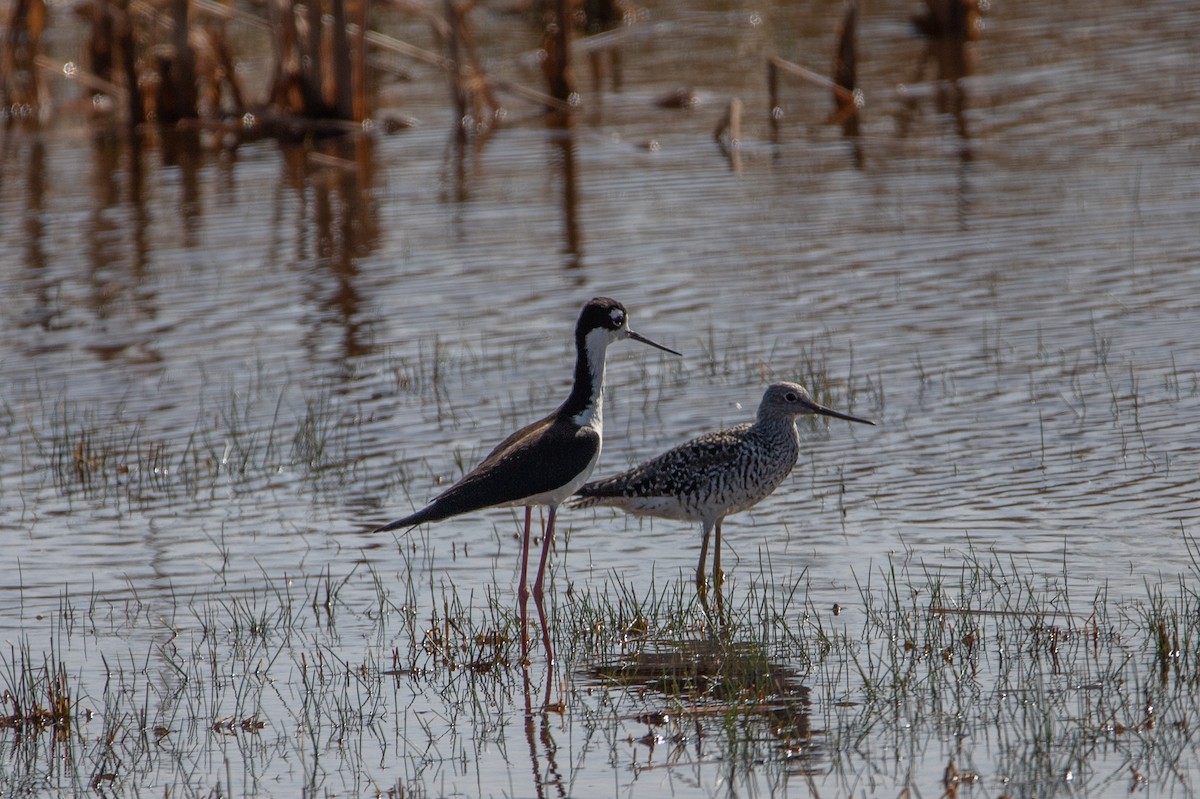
(717, 474)
(545, 462)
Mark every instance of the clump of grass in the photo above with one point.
(106, 454)
(664, 633)
(453, 637)
(729, 683)
(327, 442)
(936, 626)
(616, 616)
(1172, 625)
(37, 695)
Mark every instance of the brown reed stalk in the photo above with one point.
(19, 79)
(602, 17)
(475, 104)
(360, 109)
(731, 123)
(342, 101)
(951, 19)
(845, 67)
(177, 89)
(556, 66)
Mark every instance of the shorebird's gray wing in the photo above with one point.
(684, 470)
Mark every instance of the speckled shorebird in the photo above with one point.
(545, 462)
(717, 474)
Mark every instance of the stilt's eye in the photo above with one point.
(618, 317)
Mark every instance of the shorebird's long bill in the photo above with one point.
(644, 340)
(821, 409)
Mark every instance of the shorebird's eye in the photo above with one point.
(618, 318)
(791, 396)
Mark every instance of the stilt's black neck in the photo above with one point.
(587, 392)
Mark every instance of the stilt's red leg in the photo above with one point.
(539, 584)
(523, 590)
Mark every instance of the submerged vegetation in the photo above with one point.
(109, 454)
(243, 436)
(1026, 687)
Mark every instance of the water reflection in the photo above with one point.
(946, 35)
(181, 148)
(46, 309)
(343, 217)
(949, 57)
(333, 182)
(117, 241)
(845, 76)
(731, 694)
(562, 144)
(454, 182)
(549, 780)
(462, 154)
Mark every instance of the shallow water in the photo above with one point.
(221, 368)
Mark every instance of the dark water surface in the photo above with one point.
(220, 367)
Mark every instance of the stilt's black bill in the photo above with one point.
(644, 340)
